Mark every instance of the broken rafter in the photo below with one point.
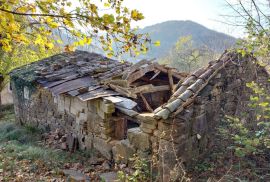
(157, 72)
(150, 88)
(148, 107)
(133, 68)
(174, 73)
(140, 73)
(171, 80)
(123, 91)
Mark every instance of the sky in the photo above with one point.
(205, 12)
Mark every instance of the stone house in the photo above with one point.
(121, 109)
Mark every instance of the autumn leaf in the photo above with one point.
(157, 43)
(136, 15)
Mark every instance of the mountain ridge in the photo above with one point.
(169, 32)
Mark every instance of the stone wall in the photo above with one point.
(184, 136)
(87, 124)
(187, 135)
(6, 95)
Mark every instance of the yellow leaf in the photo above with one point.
(59, 41)
(69, 48)
(49, 45)
(51, 23)
(87, 40)
(136, 15)
(39, 40)
(6, 45)
(68, 23)
(157, 43)
(107, 5)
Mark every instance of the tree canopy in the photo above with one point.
(26, 22)
(187, 57)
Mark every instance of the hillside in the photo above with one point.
(169, 32)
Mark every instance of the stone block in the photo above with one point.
(88, 140)
(102, 114)
(147, 118)
(139, 139)
(81, 117)
(93, 105)
(104, 147)
(61, 103)
(78, 106)
(172, 129)
(215, 91)
(109, 177)
(93, 124)
(199, 109)
(199, 124)
(106, 131)
(146, 130)
(67, 103)
(107, 107)
(123, 151)
(148, 126)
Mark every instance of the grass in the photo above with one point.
(23, 155)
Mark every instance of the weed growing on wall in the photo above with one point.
(250, 138)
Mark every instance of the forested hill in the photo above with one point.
(169, 32)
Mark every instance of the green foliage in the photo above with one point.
(187, 57)
(141, 171)
(251, 138)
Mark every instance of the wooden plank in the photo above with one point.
(148, 107)
(134, 68)
(171, 80)
(72, 85)
(156, 81)
(156, 74)
(123, 91)
(77, 92)
(150, 88)
(98, 93)
(174, 73)
(122, 83)
(52, 84)
(138, 74)
(120, 128)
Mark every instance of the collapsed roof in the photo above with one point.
(90, 76)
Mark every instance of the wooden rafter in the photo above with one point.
(148, 107)
(171, 80)
(150, 88)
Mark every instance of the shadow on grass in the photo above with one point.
(24, 143)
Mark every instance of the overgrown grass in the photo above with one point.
(23, 143)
